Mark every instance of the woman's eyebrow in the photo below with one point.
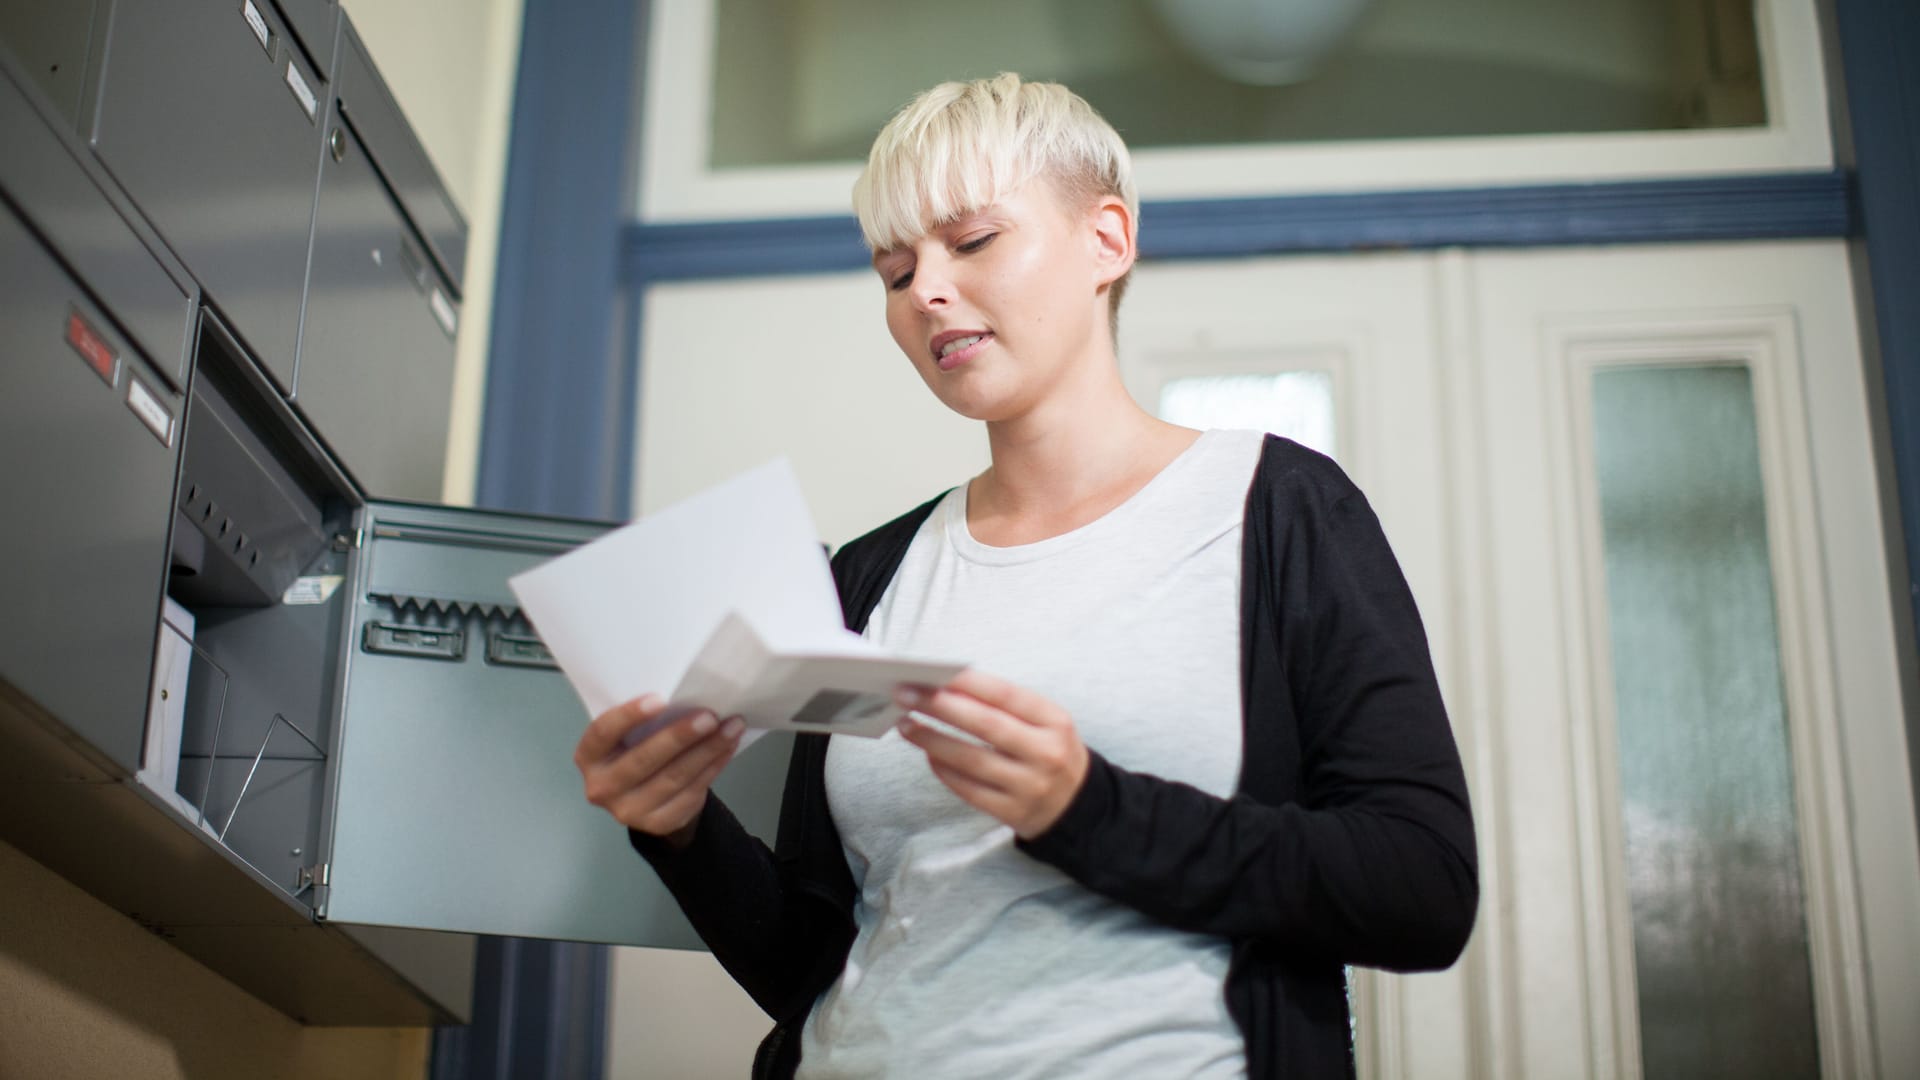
(991, 214)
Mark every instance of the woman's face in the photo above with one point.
(996, 309)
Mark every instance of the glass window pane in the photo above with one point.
(1296, 404)
(1713, 862)
(799, 81)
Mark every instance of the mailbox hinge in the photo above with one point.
(312, 877)
(349, 541)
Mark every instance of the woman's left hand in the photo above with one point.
(1033, 762)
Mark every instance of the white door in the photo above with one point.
(1693, 790)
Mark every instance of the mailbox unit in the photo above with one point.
(259, 693)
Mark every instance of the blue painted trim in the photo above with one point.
(539, 1013)
(1880, 46)
(557, 437)
(1768, 206)
(1771, 206)
(558, 414)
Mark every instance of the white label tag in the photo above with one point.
(150, 411)
(317, 589)
(302, 91)
(443, 310)
(259, 25)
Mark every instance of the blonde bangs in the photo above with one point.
(959, 147)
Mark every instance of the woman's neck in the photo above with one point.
(1083, 451)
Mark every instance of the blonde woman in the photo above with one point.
(1201, 763)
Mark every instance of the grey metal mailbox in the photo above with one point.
(246, 697)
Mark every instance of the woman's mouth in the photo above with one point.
(953, 349)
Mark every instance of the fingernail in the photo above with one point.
(734, 727)
(704, 723)
(649, 702)
(907, 697)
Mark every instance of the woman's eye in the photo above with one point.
(975, 244)
(901, 282)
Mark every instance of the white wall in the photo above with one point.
(803, 366)
(451, 64)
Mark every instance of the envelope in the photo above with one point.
(843, 691)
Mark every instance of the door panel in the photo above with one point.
(458, 806)
(88, 487)
(221, 153)
(376, 361)
(1569, 794)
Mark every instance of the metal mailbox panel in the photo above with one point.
(457, 805)
(315, 23)
(42, 172)
(211, 121)
(402, 161)
(51, 39)
(377, 352)
(90, 436)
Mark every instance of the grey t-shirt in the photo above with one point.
(973, 959)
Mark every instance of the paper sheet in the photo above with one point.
(628, 613)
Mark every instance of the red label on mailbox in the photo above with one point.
(92, 347)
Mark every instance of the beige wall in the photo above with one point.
(678, 1014)
(85, 992)
(451, 64)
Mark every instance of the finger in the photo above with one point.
(1009, 697)
(988, 723)
(686, 769)
(648, 757)
(981, 764)
(605, 731)
(638, 812)
(677, 772)
(643, 801)
(661, 810)
(980, 796)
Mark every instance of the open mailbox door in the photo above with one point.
(456, 804)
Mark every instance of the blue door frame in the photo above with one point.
(555, 438)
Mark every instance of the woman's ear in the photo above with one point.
(1113, 236)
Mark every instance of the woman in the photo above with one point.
(1211, 766)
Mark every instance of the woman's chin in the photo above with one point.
(985, 408)
(973, 398)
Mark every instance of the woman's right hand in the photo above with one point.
(658, 785)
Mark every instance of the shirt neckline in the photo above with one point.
(954, 507)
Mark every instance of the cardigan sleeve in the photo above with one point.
(781, 938)
(1367, 854)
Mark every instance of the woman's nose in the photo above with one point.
(932, 287)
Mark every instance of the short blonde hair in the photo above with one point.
(960, 146)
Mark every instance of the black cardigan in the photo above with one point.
(1348, 841)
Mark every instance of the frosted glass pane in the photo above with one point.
(799, 81)
(1713, 863)
(1297, 404)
